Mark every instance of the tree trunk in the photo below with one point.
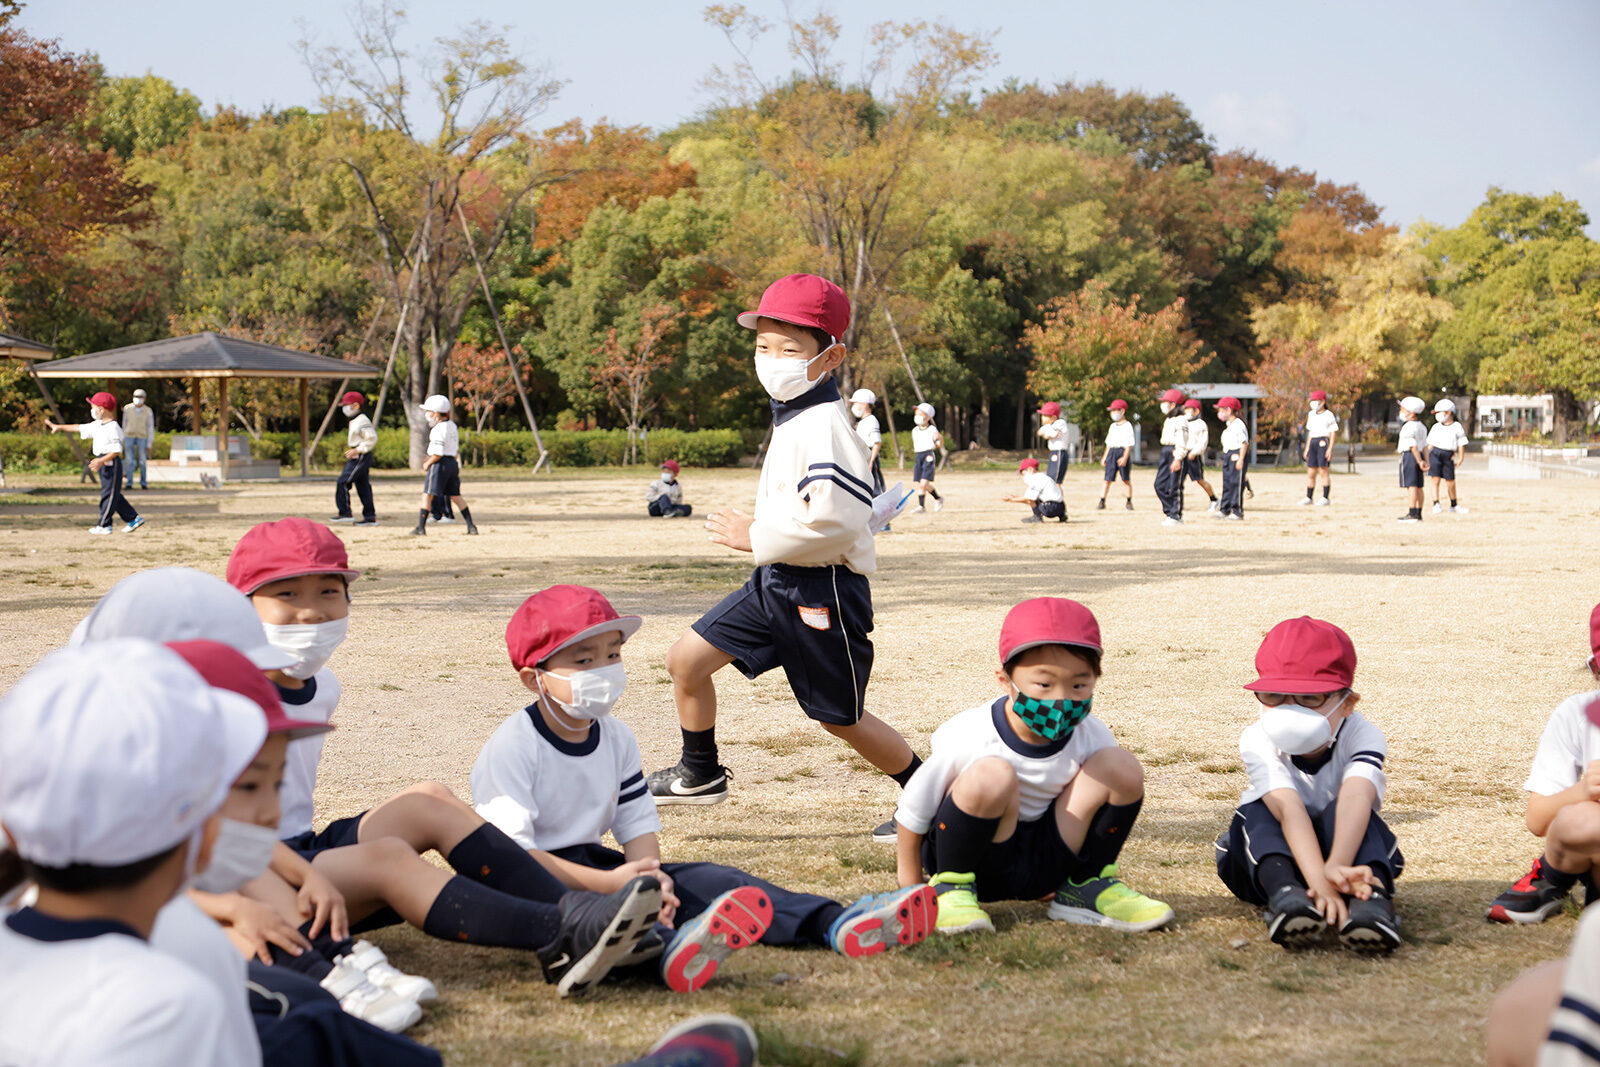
(415, 393)
(1022, 418)
(980, 425)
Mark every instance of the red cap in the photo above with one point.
(103, 399)
(227, 668)
(1318, 394)
(670, 465)
(551, 620)
(1304, 655)
(1229, 402)
(1172, 396)
(803, 300)
(1192, 402)
(288, 548)
(1118, 405)
(1050, 407)
(1594, 631)
(1047, 620)
(352, 397)
(1029, 464)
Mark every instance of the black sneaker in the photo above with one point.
(1533, 898)
(1100, 506)
(886, 833)
(680, 785)
(366, 522)
(343, 518)
(1293, 920)
(419, 531)
(720, 1039)
(1129, 503)
(472, 528)
(1372, 927)
(598, 931)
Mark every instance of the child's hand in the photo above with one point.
(1328, 900)
(1591, 780)
(730, 527)
(258, 927)
(320, 902)
(1352, 881)
(669, 900)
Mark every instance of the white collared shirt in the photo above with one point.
(1321, 424)
(444, 439)
(1040, 487)
(1413, 435)
(1175, 432)
(1197, 436)
(362, 437)
(1234, 435)
(1447, 437)
(1120, 435)
(815, 494)
(1056, 434)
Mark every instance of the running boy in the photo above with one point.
(442, 468)
(106, 436)
(1306, 842)
(1235, 457)
(664, 498)
(1563, 807)
(1118, 457)
(1413, 455)
(359, 443)
(1040, 493)
(1053, 428)
(1174, 448)
(861, 402)
(1196, 441)
(926, 443)
(1322, 426)
(808, 606)
(1447, 447)
(1029, 795)
(563, 772)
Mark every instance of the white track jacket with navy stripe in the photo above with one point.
(815, 495)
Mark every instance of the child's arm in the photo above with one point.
(1356, 797)
(318, 899)
(1542, 808)
(908, 857)
(252, 926)
(1290, 811)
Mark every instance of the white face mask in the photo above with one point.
(1116, 416)
(1316, 405)
(922, 420)
(138, 401)
(351, 410)
(860, 411)
(239, 855)
(1166, 407)
(668, 477)
(1191, 414)
(1297, 729)
(310, 643)
(594, 693)
(785, 379)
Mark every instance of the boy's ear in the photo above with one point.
(1003, 679)
(529, 677)
(833, 357)
(1349, 704)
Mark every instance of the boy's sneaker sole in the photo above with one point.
(1501, 914)
(1090, 917)
(1296, 930)
(735, 920)
(1369, 938)
(631, 921)
(905, 918)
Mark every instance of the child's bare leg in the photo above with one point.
(427, 502)
(1112, 776)
(1572, 844)
(425, 816)
(1105, 487)
(987, 789)
(879, 743)
(1520, 1015)
(1435, 482)
(691, 662)
(380, 873)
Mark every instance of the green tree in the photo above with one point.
(144, 114)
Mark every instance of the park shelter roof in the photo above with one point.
(13, 346)
(1218, 390)
(204, 355)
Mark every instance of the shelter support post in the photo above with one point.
(222, 427)
(194, 406)
(305, 425)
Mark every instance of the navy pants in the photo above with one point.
(1050, 509)
(112, 502)
(1254, 834)
(357, 472)
(662, 507)
(1232, 485)
(796, 917)
(1169, 485)
(877, 478)
(299, 1024)
(1057, 468)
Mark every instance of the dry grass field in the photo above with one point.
(1469, 630)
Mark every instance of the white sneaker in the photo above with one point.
(1457, 510)
(1215, 508)
(1169, 521)
(918, 510)
(938, 503)
(1307, 502)
(1234, 518)
(1436, 508)
(99, 529)
(372, 1004)
(1323, 501)
(369, 958)
(445, 519)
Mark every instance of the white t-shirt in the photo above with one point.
(1413, 435)
(1175, 432)
(1198, 436)
(1570, 743)
(1358, 751)
(1576, 1020)
(867, 430)
(1043, 771)
(1120, 435)
(107, 436)
(101, 997)
(1056, 434)
(1447, 437)
(186, 933)
(924, 438)
(362, 437)
(1040, 487)
(1234, 435)
(1322, 423)
(315, 701)
(547, 793)
(444, 440)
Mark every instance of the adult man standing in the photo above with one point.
(362, 440)
(138, 434)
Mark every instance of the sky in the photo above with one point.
(1423, 103)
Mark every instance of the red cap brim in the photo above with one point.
(1293, 686)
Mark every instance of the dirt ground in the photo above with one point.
(1469, 630)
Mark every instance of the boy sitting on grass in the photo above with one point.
(1029, 795)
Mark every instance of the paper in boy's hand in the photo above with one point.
(886, 505)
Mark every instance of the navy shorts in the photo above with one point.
(443, 478)
(1194, 468)
(811, 621)
(1115, 468)
(1317, 450)
(1410, 472)
(1050, 509)
(1254, 833)
(1058, 464)
(337, 834)
(1441, 464)
(1031, 863)
(923, 471)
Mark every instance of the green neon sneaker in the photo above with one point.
(1107, 901)
(959, 912)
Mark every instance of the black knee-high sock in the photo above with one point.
(466, 514)
(700, 751)
(1325, 491)
(1276, 871)
(1311, 491)
(489, 857)
(1108, 829)
(422, 519)
(478, 915)
(962, 840)
(901, 778)
(935, 493)
(922, 500)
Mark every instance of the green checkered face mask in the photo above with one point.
(1053, 720)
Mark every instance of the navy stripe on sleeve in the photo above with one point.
(1584, 1048)
(1376, 756)
(1367, 759)
(1588, 1011)
(633, 779)
(640, 791)
(846, 486)
(840, 470)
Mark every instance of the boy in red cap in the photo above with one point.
(1053, 428)
(1235, 457)
(1197, 439)
(1563, 807)
(808, 606)
(1174, 448)
(1306, 842)
(362, 439)
(1040, 493)
(1029, 795)
(1322, 426)
(1118, 458)
(561, 773)
(106, 436)
(664, 498)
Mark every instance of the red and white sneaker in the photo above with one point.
(1533, 898)
(876, 924)
(735, 920)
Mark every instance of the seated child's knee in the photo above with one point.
(1577, 826)
(989, 778)
(436, 790)
(1118, 767)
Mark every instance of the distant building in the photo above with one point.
(1512, 416)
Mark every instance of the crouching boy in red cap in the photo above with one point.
(1040, 492)
(664, 498)
(363, 438)
(106, 436)
(1029, 795)
(1306, 842)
